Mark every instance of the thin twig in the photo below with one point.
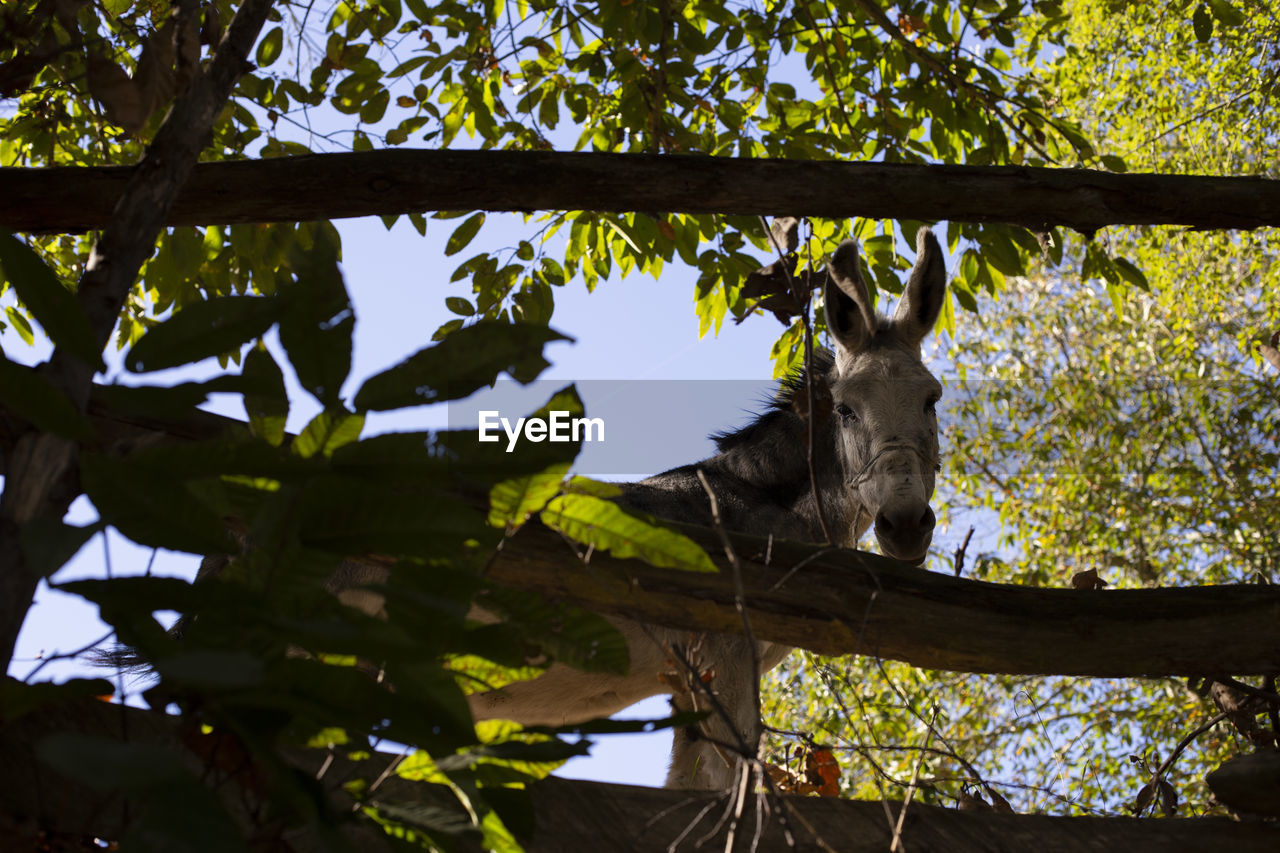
(739, 598)
(958, 563)
(811, 420)
(1273, 712)
(897, 844)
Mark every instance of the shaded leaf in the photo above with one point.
(150, 507)
(317, 324)
(266, 402)
(28, 394)
(203, 330)
(463, 362)
(48, 544)
(54, 307)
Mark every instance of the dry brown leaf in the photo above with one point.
(1088, 579)
(999, 803)
(156, 76)
(822, 771)
(1168, 798)
(119, 95)
(1143, 799)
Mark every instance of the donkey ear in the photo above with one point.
(850, 317)
(922, 297)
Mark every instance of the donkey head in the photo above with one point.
(884, 397)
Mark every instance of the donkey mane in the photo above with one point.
(792, 386)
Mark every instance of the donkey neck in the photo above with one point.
(770, 457)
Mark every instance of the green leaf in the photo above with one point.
(460, 306)
(270, 46)
(1113, 163)
(30, 395)
(150, 507)
(466, 360)
(266, 402)
(53, 306)
(1130, 273)
(159, 401)
(316, 327)
(327, 432)
(177, 807)
(17, 698)
(464, 234)
(353, 515)
(1202, 23)
(203, 330)
(1226, 13)
(48, 544)
(605, 525)
(512, 502)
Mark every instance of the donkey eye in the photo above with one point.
(845, 412)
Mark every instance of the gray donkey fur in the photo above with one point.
(875, 461)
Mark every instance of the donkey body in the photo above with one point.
(875, 459)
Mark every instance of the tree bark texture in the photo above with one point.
(568, 815)
(398, 181)
(43, 467)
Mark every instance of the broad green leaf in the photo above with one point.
(317, 323)
(150, 507)
(203, 330)
(355, 516)
(266, 403)
(463, 362)
(604, 525)
(464, 234)
(512, 502)
(327, 432)
(48, 544)
(270, 46)
(1202, 23)
(160, 401)
(28, 394)
(18, 698)
(53, 306)
(570, 635)
(176, 806)
(580, 485)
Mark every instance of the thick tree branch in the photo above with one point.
(41, 470)
(333, 186)
(569, 815)
(849, 602)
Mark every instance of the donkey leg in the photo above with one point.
(706, 756)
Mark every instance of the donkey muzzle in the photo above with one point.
(904, 530)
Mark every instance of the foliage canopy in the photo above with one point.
(1008, 83)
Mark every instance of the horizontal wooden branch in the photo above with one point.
(568, 815)
(839, 602)
(398, 181)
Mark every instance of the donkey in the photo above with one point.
(875, 463)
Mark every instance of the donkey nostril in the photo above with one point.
(927, 520)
